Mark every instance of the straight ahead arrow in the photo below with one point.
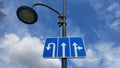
(63, 49)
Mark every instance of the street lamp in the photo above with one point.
(29, 16)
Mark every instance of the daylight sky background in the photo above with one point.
(98, 21)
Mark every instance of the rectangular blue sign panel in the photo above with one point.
(50, 49)
(63, 47)
(77, 47)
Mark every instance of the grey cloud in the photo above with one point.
(1, 5)
(2, 14)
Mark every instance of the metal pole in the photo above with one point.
(64, 60)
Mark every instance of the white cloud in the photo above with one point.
(72, 29)
(26, 51)
(112, 6)
(109, 53)
(89, 62)
(109, 12)
(115, 25)
(104, 55)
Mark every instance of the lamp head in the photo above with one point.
(27, 15)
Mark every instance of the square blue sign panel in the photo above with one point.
(63, 47)
(77, 47)
(50, 49)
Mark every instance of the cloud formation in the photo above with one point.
(102, 55)
(109, 12)
(25, 52)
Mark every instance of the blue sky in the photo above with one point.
(98, 21)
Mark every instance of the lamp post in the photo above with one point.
(29, 16)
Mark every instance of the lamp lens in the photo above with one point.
(27, 15)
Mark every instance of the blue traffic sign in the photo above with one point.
(50, 49)
(77, 47)
(64, 47)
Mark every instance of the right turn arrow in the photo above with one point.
(76, 48)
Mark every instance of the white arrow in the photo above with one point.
(76, 48)
(49, 47)
(63, 49)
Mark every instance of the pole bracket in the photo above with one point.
(61, 22)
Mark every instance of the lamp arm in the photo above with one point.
(47, 7)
